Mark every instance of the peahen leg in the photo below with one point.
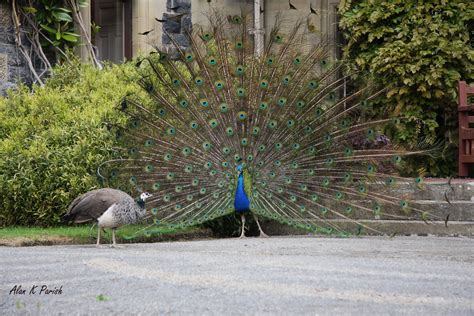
(242, 216)
(113, 238)
(262, 234)
(98, 236)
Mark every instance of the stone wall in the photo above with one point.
(177, 20)
(13, 68)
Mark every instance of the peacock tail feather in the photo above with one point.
(310, 152)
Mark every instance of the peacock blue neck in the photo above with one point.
(241, 202)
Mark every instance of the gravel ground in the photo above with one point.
(300, 275)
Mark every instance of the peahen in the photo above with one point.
(108, 207)
(277, 135)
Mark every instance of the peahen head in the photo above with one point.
(144, 196)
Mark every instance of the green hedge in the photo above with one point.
(418, 50)
(53, 138)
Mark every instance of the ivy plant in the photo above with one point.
(417, 50)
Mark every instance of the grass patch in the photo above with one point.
(83, 234)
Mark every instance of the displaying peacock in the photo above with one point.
(277, 135)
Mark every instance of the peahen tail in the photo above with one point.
(311, 153)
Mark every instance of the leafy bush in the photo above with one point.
(419, 51)
(53, 138)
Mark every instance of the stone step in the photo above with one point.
(387, 227)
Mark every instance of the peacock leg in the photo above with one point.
(114, 244)
(262, 234)
(242, 216)
(98, 236)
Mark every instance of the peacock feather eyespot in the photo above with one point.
(226, 150)
(272, 124)
(263, 184)
(293, 198)
(237, 157)
(294, 165)
(244, 141)
(261, 148)
(286, 80)
(135, 124)
(272, 174)
(195, 182)
(206, 37)
(300, 104)
(199, 81)
(290, 123)
(156, 186)
(189, 57)
(212, 61)
(318, 112)
(396, 159)
(149, 143)
(204, 102)
(189, 197)
(339, 196)
(171, 131)
(239, 70)
(329, 162)
(208, 165)
(419, 180)
(133, 180)
(270, 61)
(297, 60)
(282, 101)
(347, 177)
(194, 125)
(202, 191)
(178, 188)
(250, 157)
(177, 207)
(302, 208)
(313, 84)
(312, 150)
(241, 92)
(314, 197)
(264, 84)
(280, 190)
(183, 104)
(188, 169)
(256, 131)
(263, 106)
(404, 204)
(176, 82)
(303, 187)
(154, 211)
(161, 112)
(223, 107)
(277, 163)
(167, 157)
(326, 182)
(323, 210)
(348, 210)
(261, 163)
(219, 85)
(242, 115)
(371, 169)
(186, 151)
(278, 146)
(288, 180)
(278, 38)
(239, 45)
(348, 152)
(327, 138)
(308, 129)
(370, 134)
(213, 123)
(225, 164)
(221, 184)
(170, 176)
(228, 195)
(215, 195)
(149, 168)
(362, 189)
(311, 172)
(269, 195)
(390, 181)
(132, 151)
(167, 197)
(229, 131)
(296, 146)
(331, 96)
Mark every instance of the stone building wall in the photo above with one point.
(13, 68)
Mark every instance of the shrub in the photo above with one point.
(53, 138)
(419, 51)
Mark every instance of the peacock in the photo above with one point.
(280, 134)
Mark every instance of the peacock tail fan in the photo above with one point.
(311, 157)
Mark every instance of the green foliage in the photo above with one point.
(418, 51)
(53, 139)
